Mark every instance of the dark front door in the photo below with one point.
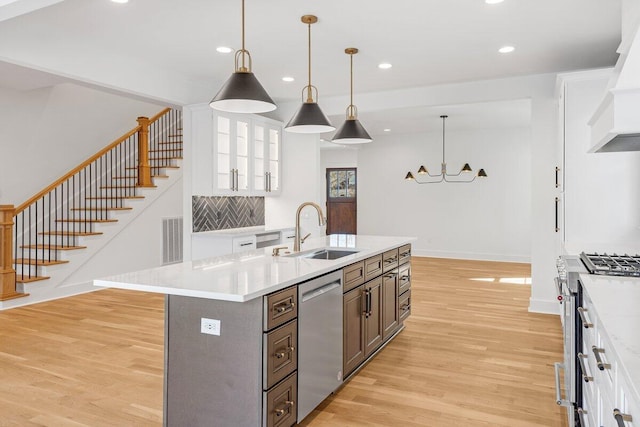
(341, 201)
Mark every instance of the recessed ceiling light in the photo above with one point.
(384, 66)
(386, 130)
(287, 79)
(224, 49)
(120, 1)
(493, 1)
(506, 49)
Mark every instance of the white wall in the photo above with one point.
(300, 169)
(488, 219)
(139, 245)
(46, 132)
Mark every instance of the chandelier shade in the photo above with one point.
(444, 176)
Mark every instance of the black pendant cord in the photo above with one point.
(243, 49)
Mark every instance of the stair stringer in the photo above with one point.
(132, 243)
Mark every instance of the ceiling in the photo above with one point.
(428, 42)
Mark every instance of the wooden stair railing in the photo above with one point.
(33, 234)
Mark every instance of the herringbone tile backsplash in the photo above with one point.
(220, 213)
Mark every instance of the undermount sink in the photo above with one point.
(323, 254)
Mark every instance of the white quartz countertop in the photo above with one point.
(252, 274)
(616, 301)
(243, 231)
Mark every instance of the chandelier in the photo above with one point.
(463, 176)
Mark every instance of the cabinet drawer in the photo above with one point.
(404, 278)
(280, 354)
(353, 276)
(280, 307)
(372, 267)
(389, 260)
(279, 404)
(242, 244)
(405, 305)
(404, 254)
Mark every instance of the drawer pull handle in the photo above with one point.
(283, 308)
(406, 307)
(390, 276)
(601, 365)
(281, 411)
(405, 254)
(585, 377)
(585, 322)
(391, 260)
(621, 418)
(405, 278)
(581, 413)
(281, 354)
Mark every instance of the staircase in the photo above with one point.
(82, 209)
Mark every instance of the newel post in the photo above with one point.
(144, 170)
(7, 273)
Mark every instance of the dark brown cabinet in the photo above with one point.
(373, 316)
(362, 325)
(353, 324)
(390, 312)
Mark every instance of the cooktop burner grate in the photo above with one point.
(613, 265)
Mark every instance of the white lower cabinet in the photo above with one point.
(606, 393)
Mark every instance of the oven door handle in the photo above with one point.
(559, 400)
(585, 323)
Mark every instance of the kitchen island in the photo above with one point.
(233, 325)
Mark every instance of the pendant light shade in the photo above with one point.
(242, 93)
(352, 131)
(309, 118)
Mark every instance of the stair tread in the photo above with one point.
(54, 247)
(124, 208)
(86, 220)
(43, 262)
(111, 187)
(114, 197)
(71, 233)
(27, 279)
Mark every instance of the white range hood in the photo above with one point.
(615, 125)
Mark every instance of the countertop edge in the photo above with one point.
(316, 268)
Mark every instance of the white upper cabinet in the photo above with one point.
(235, 154)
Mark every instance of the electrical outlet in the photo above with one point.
(209, 326)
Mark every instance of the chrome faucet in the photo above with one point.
(297, 241)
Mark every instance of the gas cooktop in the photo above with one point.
(612, 265)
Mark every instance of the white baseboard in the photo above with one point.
(544, 306)
(471, 256)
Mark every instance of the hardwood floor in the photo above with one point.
(471, 355)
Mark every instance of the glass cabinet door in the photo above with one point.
(242, 156)
(274, 159)
(259, 158)
(223, 153)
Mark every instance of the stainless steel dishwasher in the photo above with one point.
(319, 340)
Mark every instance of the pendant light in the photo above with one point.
(309, 118)
(351, 131)
(243, 93)
(443, 176)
